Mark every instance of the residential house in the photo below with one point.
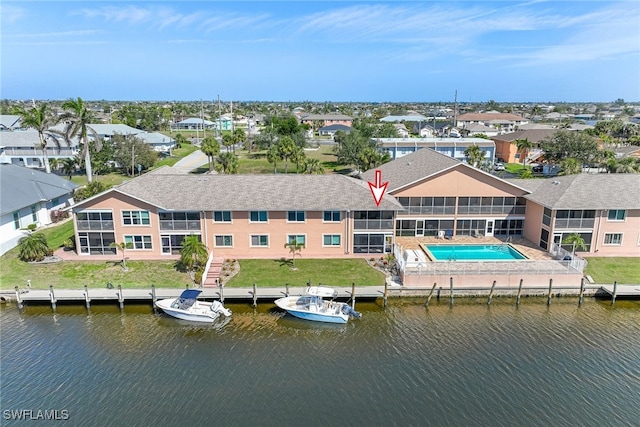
(248, 216)
(452, 147)
(332, 129)
(19, 148)
(504, 122)
(28, 197)
(9, 122)
(507, 150)
(326, 119)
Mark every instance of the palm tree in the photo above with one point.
(239, 136)
(40, 119)
(273, 155)
(122, 246)
(227, 140)
(576, 240)
(286, 148)
(211, 148)
(523, 146)
(33, 247)
(298, 157)
(627, 165)
(79, 118)
(228, 163)
(474, 155)
(570, 166)
(313, 166)
(294, 247)
(69, 167)
(193, 254)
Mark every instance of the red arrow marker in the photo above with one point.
(378, 188)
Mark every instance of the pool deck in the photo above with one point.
(523, 246)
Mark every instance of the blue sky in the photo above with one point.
(530, 51)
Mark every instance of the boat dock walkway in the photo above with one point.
(621, 291)
(152, 294)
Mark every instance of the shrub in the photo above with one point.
(34, 247)
(58, 215)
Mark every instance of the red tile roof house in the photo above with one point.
(253, 216)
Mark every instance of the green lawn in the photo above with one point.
(256, 162)
(607, 270)
(109, 180)
(333, 272)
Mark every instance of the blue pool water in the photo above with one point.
(474, 252)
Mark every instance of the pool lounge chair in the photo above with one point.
(441, 234)
(448, 234)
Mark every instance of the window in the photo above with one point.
(92, 220)
(331, 240)
(260, 240)
(613, 239)
(299, 238)
(224, 241)
(295, 216)
(616, 215)
(222, 216)
(34, 213)
(331, 216)
(135, 217)
(179, 221)
(258, 216)
(138, 242)
(16, 220)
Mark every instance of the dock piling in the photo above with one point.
(519, 293)
(581, 296)
(286, 290)
(426, 304)
(153, 297)
(221, 292)
(353, 295)
(87, 300)
(451, 291)
(53, 297)
(255, 295)
(18, 298)
(550, 291)
(615, 291)
(120, 297)
(493, 286)
(385, 295)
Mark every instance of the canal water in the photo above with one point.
(406, 365)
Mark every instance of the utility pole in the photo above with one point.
(133, 163)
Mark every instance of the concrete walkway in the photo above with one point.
(192, 161)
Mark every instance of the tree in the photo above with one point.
(523, 146)
(33, 247)
(564, 144)
(69, 167)
(180, 139)
(627, 165)
(474, 155)
(239, 136)
(294, 247)
(131, 151)
(570, 166)
(41, 119)
(211, 148)
(313, 166)
(79, 119)
(298, 157)
(576, 240)
(228, 163)
(122, 246)
(286, 148)
(193, 255)
(227, 140)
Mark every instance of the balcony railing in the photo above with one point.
(95, 225)
(575, 223)
(180, 225)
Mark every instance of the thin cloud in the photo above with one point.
(76, 33)
(11, 14)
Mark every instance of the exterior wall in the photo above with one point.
(533, 222)
(9, 235)
(629, 228)
(507, 151)
(277, 228)
(456, 182)
(470, 281)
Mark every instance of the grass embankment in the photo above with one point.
(332, 272)
(76, 274)
(607, 270)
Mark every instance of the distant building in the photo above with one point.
(504, 122)
(332, 129)
(452, 147)
(507, 150)
(195, 123)
(10, 122)
(326, 119)
(27, 197)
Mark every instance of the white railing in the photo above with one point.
(574, 260)
(206, 269)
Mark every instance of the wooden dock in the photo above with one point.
(118, 295)
(619, 291)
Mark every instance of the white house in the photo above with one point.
(28, 197)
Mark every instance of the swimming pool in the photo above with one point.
(503, 252)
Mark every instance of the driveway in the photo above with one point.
(192, 161)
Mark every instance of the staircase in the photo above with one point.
(213, 273)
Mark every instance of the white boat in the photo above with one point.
(312, 306)
(187, 307)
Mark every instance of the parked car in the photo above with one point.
(537, 169)
(498, 166)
